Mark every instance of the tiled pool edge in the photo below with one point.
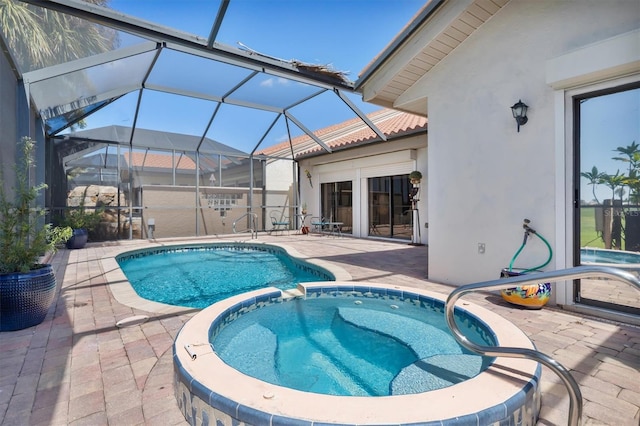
(202, 405)
(124, 293)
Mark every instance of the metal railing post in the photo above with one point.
(253, 218)
(575, 396)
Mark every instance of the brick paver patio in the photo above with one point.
(79, 368)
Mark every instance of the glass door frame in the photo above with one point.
(576, 102)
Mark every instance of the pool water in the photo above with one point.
(618, 257)
(198, 278)
(349, 347)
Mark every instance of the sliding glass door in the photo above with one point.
(607, 195)
(337, 204)
(390, 207)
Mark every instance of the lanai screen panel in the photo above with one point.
(174, 93)
(189, 73)
(191, 60)
(70, 91)
(173, 115)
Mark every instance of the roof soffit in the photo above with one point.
(437, 37)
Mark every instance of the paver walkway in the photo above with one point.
(79, 368)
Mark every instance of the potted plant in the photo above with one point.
(81, 222)
(27, 287)
(415, 177)
(304, 208)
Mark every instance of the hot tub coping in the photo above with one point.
(491, 391)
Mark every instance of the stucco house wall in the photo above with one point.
(174, 210)
(484, 176)
(357, 165)
(279, 198)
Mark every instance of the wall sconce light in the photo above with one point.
(519, 110)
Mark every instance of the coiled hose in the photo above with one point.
(528, 230)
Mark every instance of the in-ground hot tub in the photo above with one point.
(209, 391)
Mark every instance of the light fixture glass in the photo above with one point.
(519, 111)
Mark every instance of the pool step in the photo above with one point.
(424, 339)
(318, 368)
(345, 369)
(436, 372)
(436, 368)
(253, 361)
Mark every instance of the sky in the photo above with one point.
(607, 122)
(345, 33)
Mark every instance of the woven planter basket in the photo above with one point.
(25, 298)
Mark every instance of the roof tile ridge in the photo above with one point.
(339, 129)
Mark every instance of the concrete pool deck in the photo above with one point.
(78, 367)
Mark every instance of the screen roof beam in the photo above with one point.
(145, 29)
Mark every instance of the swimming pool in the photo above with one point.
(199, 275)
(210, 391)
(352, 346)
(604, 256)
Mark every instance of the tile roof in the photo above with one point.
(154, 160)
(161, 160)
(353, 133)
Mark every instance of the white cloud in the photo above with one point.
(267, 83)
(270, 82)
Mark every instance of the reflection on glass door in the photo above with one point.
(337, 204)
(390, 207)
(607, 196)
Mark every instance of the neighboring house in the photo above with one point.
(364, 182)
(464, 63)
(162, 183)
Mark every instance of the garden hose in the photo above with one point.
(529, 230)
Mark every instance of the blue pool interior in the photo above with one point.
(618, 257)
(369, 344)
(205, 396)
(199, 275)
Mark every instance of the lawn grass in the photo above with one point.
(588, 235)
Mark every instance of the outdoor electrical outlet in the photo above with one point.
(481, 248)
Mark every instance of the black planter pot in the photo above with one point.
(78, 240)
(25, 298)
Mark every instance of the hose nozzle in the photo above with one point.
(527, 228)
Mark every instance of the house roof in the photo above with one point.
(353, 133)
(436, 30)
(154, 160)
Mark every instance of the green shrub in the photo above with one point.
(23, 236)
